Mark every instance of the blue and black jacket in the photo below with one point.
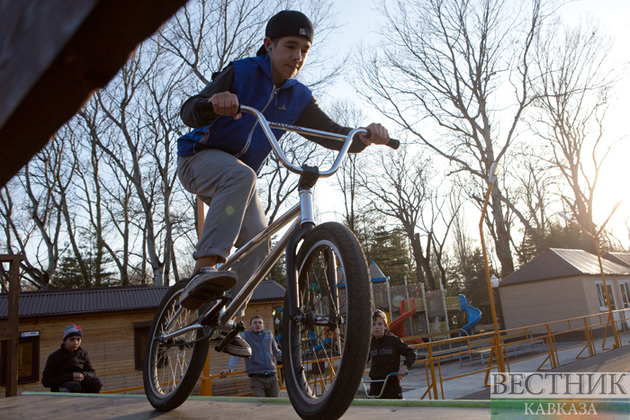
(251, 80)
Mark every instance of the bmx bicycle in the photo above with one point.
(326, 323)
(384, 381)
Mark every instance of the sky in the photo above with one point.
(357, 18)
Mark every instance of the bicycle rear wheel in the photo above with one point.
(172, 367)
(325, 348)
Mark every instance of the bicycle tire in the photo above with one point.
(171, 369)
(311, 353)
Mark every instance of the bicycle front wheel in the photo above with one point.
(325, 347)
(172, 366)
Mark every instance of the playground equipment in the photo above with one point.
(422, 313)
(473, 315)
(378, 278)
(417, 314)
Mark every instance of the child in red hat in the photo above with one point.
(68, 369)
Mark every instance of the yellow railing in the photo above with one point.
(510, 339)
(477, 345)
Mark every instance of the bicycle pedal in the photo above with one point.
(207, 292)
(238, 328)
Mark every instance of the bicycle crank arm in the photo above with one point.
(211, 318)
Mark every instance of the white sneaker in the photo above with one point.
(207, 285)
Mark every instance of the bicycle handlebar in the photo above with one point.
(275, 145)
(390, 375)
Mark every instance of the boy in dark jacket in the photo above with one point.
(69, 369)
(385, 352)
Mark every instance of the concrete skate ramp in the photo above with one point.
(39, 405)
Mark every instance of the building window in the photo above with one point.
(28, 359)
(601, 296)
(140, 336)
(625, 294)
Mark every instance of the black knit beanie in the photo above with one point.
(288, 23)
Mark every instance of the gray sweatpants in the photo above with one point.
(235, 214)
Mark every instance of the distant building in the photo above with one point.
(563, 283)
(116, 323)
(621, 258)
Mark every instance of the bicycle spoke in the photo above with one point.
(326, 344)
(172, 357)
(320, 298)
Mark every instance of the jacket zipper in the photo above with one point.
(262, 346)
(251, 133)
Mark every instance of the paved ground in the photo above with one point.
(472, 387)
(466, 397)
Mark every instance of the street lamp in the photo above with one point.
(495, 289)
(494, 281)
(601, 269)
(495, 170)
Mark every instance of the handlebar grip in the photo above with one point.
(393, 143)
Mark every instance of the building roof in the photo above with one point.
(557, 263)
(621, 258)
(108, 299)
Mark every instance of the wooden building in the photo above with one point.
(560, 284)
(115, 323)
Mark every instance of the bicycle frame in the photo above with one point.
(290, 239)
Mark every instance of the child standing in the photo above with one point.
(385, 352)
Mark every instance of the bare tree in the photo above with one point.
(399, 190)
(106, 191)
(128, 144)
(348, 114)
(444, 212)
(573, 93)
(462, 243)
(164, 127)
(92, 197)
(445, 73)
(36, 227)
(535, 191)
(207, 34)
(66, 139)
